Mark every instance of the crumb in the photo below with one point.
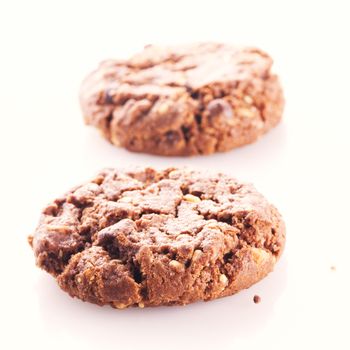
(30, 240)
(257, 299)
(333, 268)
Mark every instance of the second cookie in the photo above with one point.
(184, 100)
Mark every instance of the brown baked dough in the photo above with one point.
(145, 237)
(184, 100)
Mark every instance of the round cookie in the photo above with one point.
(148, 238)
(184, 100)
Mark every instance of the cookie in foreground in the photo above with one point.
(146, 237)
(184, 100)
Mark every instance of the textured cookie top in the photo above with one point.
(180, 69)
(184, 100)
(127, 227)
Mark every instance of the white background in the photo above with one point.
(302, 166)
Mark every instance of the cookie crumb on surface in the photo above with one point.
(333, 268)
(257, 299)
(30, 240)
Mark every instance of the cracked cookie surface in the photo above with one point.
(146, 238)
(184, 100)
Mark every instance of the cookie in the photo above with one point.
(147, 238)
(185, 100)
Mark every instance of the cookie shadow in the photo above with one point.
(236, 317)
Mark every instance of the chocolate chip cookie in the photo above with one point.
(146, 238)
(185, 100)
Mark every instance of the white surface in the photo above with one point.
(302, 167)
